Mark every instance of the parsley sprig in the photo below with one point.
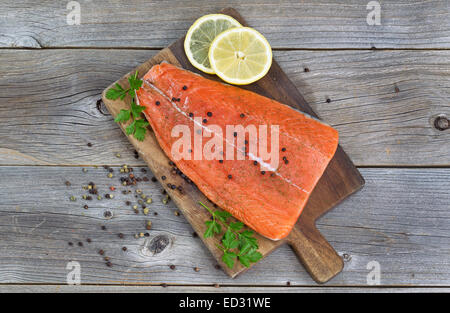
(235, 243)
(118, 92)
(138, 124)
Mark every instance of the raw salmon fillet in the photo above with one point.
(266, 199)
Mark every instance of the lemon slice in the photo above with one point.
(240, 56)
(201, 34)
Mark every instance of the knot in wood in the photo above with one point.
(159, 243)
(441, 123)
(101, 107)
(346, 257)
(107, 214)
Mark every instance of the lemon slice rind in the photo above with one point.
(240, 67)
(206, 37)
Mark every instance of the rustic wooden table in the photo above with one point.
(386, 88)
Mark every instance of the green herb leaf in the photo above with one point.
(229, 240)
(130, 128)
(136, 109)
(141, 123)
(138, 126)
(247, 241)
(222, 215)
(229, 258)
(116, 92)
(254, 256)
(236, 226)
(251, 241)
(139, 133)
(247, 233)
(244, 260)
(123, 116)
(213, 228)
(209, 232)
(244, 242)
(244, 247)
(135, 82)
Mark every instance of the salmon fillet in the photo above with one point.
(267, 199)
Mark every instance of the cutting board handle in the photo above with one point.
(314, 251)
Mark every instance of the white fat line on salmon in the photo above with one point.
(250, 155)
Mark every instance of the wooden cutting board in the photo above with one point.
(340, 179)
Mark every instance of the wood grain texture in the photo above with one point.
(287, 24)
(400, 219)
(384, 104)
(48, 104)
(207, 289)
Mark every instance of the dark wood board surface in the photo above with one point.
(339, 181)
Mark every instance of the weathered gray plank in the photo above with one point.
(207, 289)
(48, 111)
(292, 24)
(401, 219)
